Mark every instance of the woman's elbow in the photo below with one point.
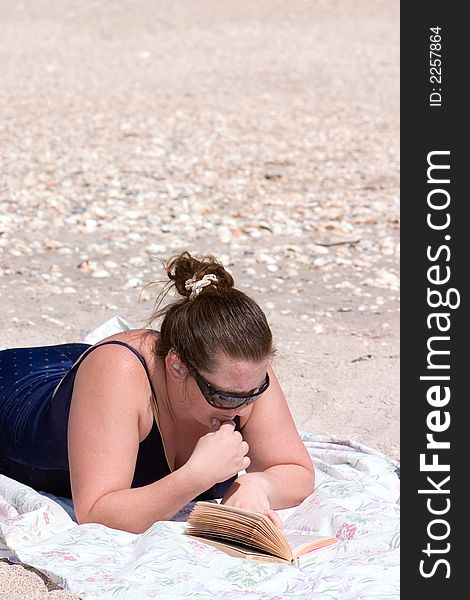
(308, 482)
(311, 484)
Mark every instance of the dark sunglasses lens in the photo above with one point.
(231, 402)
(228, 403)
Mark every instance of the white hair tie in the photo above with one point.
(196, 285)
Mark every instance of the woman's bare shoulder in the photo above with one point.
(111, 362)
(111, 370)
(142, 340)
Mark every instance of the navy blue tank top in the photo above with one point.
(36, 386)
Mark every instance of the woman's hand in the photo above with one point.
(249, 492)
(219, 455)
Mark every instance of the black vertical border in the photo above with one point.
(424, 129)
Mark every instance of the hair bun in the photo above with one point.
(184, 267)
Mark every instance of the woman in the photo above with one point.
(141, 423)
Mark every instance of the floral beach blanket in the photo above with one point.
(356, 499)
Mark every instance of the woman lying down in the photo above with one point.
(139, 424)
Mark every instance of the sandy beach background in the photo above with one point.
(264, 132)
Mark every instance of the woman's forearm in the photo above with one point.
(136, 509)
(285, 485)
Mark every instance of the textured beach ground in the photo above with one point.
(265, 133)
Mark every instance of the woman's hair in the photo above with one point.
(217, 319)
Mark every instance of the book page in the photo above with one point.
(233, 524)
(302, 542)
(241, 551)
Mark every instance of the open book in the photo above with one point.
(249, 534)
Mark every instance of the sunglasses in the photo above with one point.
(228, 400)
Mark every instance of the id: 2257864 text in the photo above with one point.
(435, 66)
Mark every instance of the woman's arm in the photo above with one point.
(103, 440)
(109, 397)
(280, 464)
(136, 509)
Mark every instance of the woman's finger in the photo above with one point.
(274, 518)
(245, 447)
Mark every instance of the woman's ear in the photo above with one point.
(175, 367)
